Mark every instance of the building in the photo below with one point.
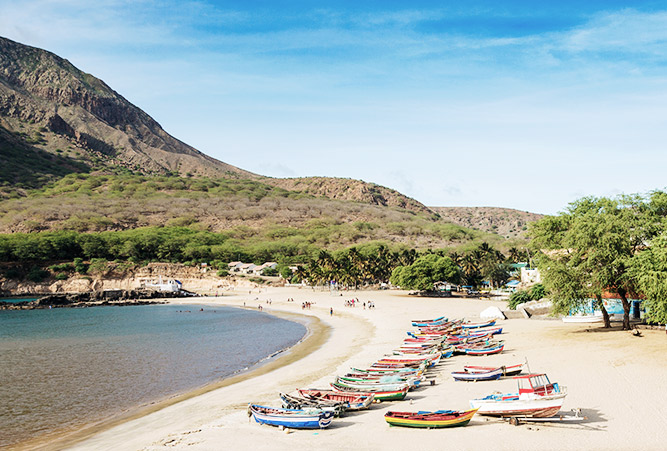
(530, 276)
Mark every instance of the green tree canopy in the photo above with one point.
(588, 249)
(424, 272)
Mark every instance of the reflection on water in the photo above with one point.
(70, 367)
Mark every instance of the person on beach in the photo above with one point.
(331, 311)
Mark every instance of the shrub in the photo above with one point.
(80, 266)
(270, 272)
(62, 267)
(223, 273)
(37, 274)
(537, 292)
(61, 276)
(518, 297)
(13, 273)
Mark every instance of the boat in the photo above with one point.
(429, 322)
(437, 419)
(380, 395)
(291, 418)
(390, 371)
(484, 375)
(355, 401)
(512, 370)
(412, 380)
(487, 350)
(298, 402)
(489, 323)
(371, 385)
(431, 359)
(537, 397)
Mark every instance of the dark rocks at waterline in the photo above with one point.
(92, 299)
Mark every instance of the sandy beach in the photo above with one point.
(619, 381)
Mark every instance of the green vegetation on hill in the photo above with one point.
(250, 212)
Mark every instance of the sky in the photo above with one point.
(518, 104)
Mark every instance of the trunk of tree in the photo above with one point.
(626, 309)
(605, 315)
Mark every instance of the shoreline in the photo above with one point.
(316, 334)
(611, 375)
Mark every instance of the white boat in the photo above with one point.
(537, 397)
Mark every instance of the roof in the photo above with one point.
(528, 376)
(513, 283)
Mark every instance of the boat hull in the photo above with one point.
(511, 406)
(290, 418)
(429, 420)
(392, 395)
(478, 375)
(356, 401)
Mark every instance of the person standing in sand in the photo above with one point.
(331, 311)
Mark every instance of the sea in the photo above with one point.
(64, 368)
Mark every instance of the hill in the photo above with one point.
(248, 210)
(506, 222)
(77, 156)
(51, 109)
(56, 119)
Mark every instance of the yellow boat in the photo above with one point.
(437, 419)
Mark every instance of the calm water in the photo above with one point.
(63, 368)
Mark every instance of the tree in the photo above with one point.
(649, 269)
(590, 247)
(424, 272)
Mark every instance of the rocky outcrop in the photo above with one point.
(350, 189)
(503, 221)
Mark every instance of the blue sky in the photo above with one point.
(468, 103)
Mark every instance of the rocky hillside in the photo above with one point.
(56, 119)
(349, 189)
(506, 222)
(48, 105)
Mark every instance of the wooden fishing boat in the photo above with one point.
(432, 359)
(403, 365)
(299, 402)
(487, 375)
(512, 370)
(437, 419)
(429, 322)
(412, 380)
(537, 397)
(291, 418)
(371, 385)
(380, 395)
(464, 339)
(488, 350)
(471, 325)
(390, 371)
(470, 333)
(355, 401)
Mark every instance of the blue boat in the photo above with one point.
(478, 325)
(489, 375)
(429, 322)
(291, 418)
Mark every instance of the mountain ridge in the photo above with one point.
(40, 92)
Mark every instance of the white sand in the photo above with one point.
(619, 381)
